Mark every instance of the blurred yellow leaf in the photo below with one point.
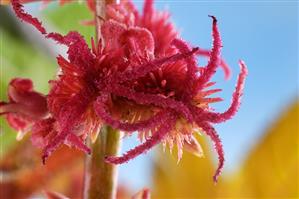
(270, 170)
(191, 178)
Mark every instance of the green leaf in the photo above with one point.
(68, 17)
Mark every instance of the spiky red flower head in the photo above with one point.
(179, 107)
(89, 74)
(140, 80)
(85, 76)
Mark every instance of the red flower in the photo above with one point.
(175, 94)
(144, 79)
(25, 105)
(84, 77)
(89, 74)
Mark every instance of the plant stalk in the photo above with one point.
(100, 179)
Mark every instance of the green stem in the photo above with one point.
(101, 177)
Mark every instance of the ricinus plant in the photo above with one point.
(138, 76)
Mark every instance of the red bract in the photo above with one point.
(25, 105)
(157, 22)
(143, 78)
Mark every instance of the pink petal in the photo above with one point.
(210, 92)
(193, 147)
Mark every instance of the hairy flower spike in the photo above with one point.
(143, 78)
(19, 10)
(211, 132)
(236, 99)
(210, 69)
